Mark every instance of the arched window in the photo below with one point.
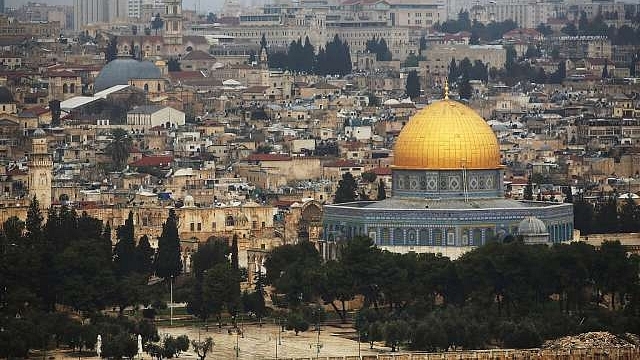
(72, 88)
(159, 88)
(65, 88)
(146, 87)
(229, 221)
(411, 237)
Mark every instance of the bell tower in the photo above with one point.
(173, 23)
(40, 169)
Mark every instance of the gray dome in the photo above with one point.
(39, 133)
(531, 225)
(120, 71)
(5, 95)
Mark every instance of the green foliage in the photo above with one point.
(296, 322)
(111, 52)
(412, 87)
(382, 192)
(380, 48)
(168, 263)
(119, 147)
(121, 345)
(124, 255)
(369, 176)
(173, 65)
(528, 190)
(157, 23)
(347, 189)
(203, 347)
(294, 270)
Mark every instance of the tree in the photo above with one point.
(202, 347)
(413, 84)
(465, 91)
(395, 333)
(528, 190)
(347, 189)
(157, 23)
(605, 70)
(119, 147)
(168, 263)
(111, 52)
(453, 72)
(173, 65)
(296, 322)
(124, 256)
(382, 192)
(294, 271)
(54, 107)
(144, 256)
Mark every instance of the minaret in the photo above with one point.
(40, 169)
(173, 24)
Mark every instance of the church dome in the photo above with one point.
(5, 95)
(446, 135)
(531, 225)
(120, 71)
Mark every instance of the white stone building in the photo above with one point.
(148, 116)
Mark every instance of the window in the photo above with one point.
(199, 226)
(192, 226)
(254, 224)
(229, 221)
(213, 225)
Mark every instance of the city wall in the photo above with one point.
(529, 354)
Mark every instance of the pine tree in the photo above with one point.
(382, 192)
(528, 190)
(413, 84)
(144, 256)
(34, 223)
(234, 252)
(453, 72)
(111, 52)
(168, 261)
(347, 189)
(605, 70)
(124, 252)
(465, 91)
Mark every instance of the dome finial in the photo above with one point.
(446, 89)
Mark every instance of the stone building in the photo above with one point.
(448, 193)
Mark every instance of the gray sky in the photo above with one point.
(188, 4)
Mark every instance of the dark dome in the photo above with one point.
(5, 95)
(120, 71)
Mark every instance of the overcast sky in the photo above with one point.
(188, 4)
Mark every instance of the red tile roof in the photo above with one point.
(381, 171)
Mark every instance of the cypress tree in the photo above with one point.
(124, 251)
(412, 87)
(382, 192)
(168, 261)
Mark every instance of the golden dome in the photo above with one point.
(446, 135)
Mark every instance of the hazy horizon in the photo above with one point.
(205, 5)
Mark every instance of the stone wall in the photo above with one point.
(529, 354)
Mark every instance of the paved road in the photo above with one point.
(260, 343)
